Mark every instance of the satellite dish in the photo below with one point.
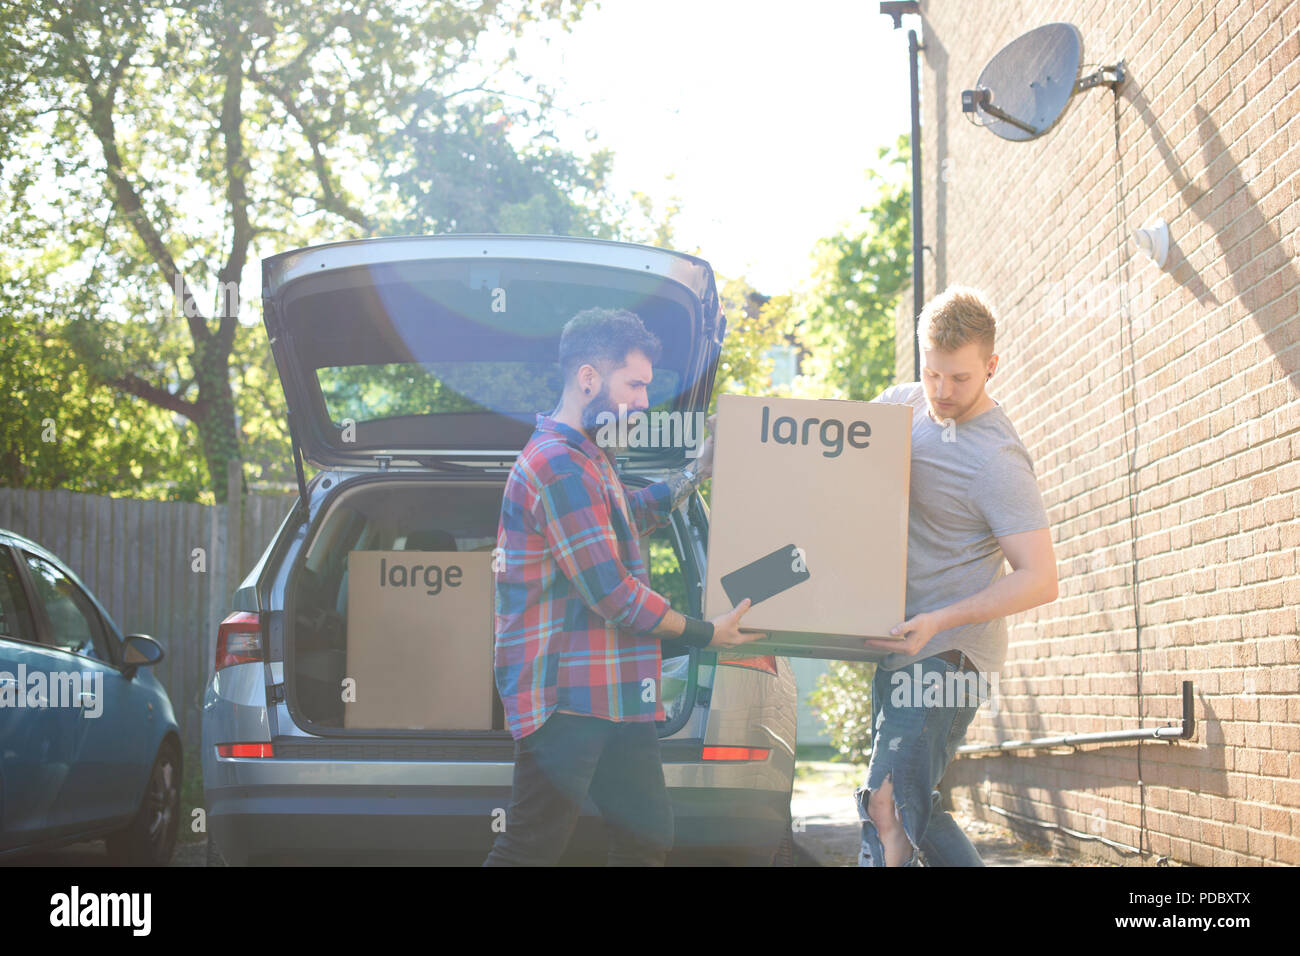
(1025, 88)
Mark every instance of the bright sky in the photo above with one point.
(767, 113)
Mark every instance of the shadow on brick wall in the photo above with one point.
(1265, 281)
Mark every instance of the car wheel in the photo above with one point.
(151, 837)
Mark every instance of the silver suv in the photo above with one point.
(413, 369)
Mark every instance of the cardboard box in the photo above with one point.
(830, 478)
(420, 640)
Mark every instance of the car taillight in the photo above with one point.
(765, 664)
(244, 750)
(239, 639)
(736, 753)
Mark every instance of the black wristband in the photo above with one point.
(697, 633)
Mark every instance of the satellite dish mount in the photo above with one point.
(1025, 88)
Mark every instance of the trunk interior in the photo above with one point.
(391, 611)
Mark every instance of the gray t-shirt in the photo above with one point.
(971, 484)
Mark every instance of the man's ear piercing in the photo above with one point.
(586, 391)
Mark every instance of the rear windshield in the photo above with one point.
(366, 393)
(463, 354)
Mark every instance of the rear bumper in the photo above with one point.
(454, 824)
(422, 800)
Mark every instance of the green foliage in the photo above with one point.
(63, 430)
(847, 322)
(147, 146)
(453, 168)
(842, 699)
(755, 324)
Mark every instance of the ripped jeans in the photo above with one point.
(914, 744)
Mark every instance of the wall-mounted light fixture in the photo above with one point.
(1153, 240)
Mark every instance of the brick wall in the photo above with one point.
(1161, 408)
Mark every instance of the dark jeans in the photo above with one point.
(570, 757)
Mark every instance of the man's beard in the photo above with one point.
(594, 419)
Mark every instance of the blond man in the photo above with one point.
(974, 503)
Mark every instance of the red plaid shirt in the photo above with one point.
(573, 604)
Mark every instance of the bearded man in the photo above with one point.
(578, 630)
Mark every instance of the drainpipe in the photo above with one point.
(918, 261)
(897, 10)
(1183, 731)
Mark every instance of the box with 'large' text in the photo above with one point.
(808, 519)
(419, 649)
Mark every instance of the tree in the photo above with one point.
(847, 321)
(453, 168)
(63, 430)
(842, 699)
(158, 143)
(756, 324)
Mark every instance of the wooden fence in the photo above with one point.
(140, 559)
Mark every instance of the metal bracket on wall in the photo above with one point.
(1112, 76)
(899, 9)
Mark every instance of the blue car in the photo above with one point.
(89, 744)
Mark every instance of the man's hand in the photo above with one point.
(683, 483)
(917, 633)
(726, 628)
(704, 461)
